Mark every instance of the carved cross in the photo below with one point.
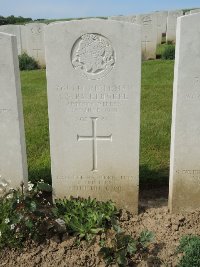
(94, 138)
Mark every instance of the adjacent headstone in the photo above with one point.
(93, 76)
(164, 21)
(185, 141)
(15, 30)
(171, 25)
(161, 22)
(23, 39)
(159, 19)
(149, 32)
(149, 35)
(34, 34)
(13, 166)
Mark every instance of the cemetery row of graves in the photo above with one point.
(157, 27)
(93, 74)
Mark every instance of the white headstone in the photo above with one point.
(162, 21)
(15, 30)
(149, 32)
(171, 25)
(93, 76)
(159, 19)
(23, 38)
(34, 33)
(149, 35)
(13, 166)
(194, 11)
(185, 140)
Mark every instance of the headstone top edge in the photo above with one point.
(188, 17)
(85, 21)
(7, 34)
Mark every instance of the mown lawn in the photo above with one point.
(157, 79)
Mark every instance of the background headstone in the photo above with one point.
(171, 25)
(23, 39)
(93, 76)
(149, 35)
(13, 165)
(159, 18)
(15, 30)
(34, 34)
(149, 29)
(193, 11)
(185, 138)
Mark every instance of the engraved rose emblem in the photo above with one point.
(93, 56)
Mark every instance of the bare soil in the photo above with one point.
(153, 215)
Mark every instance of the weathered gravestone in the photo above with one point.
(164, 20)
(161, 24)
(93, 75)
(171, 25)
(149, 32)
(34, 35)
(149, 35)
(15, 30)
(13, 166)
(185, 140)
(159, 19)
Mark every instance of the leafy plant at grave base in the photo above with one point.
(124, 246)
(25, 215)
(168, 52)
(86, 217)
(27, 63)
(190, 247)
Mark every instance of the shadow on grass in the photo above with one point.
(43, 173)
(153, 178)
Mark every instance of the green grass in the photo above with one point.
(157, 77)
(36, 123)
(156, 106)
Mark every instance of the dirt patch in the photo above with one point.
(153, 216)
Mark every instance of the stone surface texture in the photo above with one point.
(171, 25)
(93, 76)
(14, 30)
(13, 165)
(149, 35)
(185, 138)
(34, 38)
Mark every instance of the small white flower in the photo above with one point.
(9, 196)
(7, 220)
(30, 186)
(18, 200)
(0, 234)
(12, 226)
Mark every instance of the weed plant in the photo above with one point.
(27, 63)
(86, 217)
(190, 247)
